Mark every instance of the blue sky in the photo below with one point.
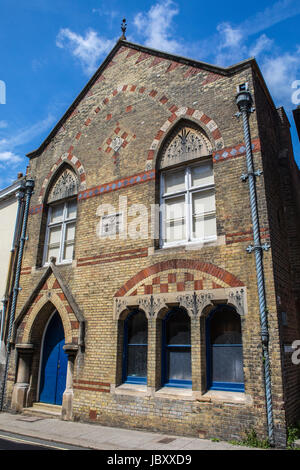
(50, 49)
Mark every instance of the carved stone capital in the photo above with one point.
(195, 303)
(120, 305)
(237, 297)
(152, 305)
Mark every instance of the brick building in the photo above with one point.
(150, 319)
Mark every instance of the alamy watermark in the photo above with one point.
(174, 222)
(296, 94)
(2, 92)
(296, 353)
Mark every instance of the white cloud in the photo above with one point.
(229, 45)
(156, 26)
(27, 134)
(279, 68)
(10, 157)
(276, 13)
(262, 45)
(87, 49)
(3, 124)
(280, 72)
(230, 36)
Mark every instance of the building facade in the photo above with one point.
(139, 302)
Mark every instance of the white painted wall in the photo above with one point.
(8, 212)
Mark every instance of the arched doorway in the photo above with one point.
(54, 363)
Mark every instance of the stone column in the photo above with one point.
(21, 387)
(153, 378)
(67, 404)
(196, 353)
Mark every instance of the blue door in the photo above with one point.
(54, 363)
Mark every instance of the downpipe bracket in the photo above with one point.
(252, 248)
(239, 113)
(245, 176)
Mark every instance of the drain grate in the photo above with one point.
(166, 440)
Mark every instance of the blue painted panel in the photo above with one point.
(62, 373)
(54, 364)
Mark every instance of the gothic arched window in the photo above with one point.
(61, 218)
(187, 195)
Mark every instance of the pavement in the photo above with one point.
(95, 436)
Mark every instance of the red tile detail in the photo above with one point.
(164, 288)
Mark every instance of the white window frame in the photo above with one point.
(188, 192)
(63, 224)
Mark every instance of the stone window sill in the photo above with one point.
(186, 247)
(175, 393)
(237, 398)
(132, 389)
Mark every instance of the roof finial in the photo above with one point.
(123, 28)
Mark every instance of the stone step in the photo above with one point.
(43, 409)
(297, 444)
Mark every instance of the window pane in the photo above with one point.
(178, 330)
(71, 209)
(137, 329)
(203, 202)
(226, 349)
(202, 175)
(53, 252)
(56, 214)
(137, 361)
(204, 227)
(175, 219)
(70, 232)
(226, 327)
(68, 251)
(174, 182)
(54, 235)
(179, 363)
(210, 227)
(227, 364)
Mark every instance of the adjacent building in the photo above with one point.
(10, 215)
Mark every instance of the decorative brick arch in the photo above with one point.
(37, 307)
(176, 111)
(194, 115)
(180, 264)
(71, 160)
(51, 288)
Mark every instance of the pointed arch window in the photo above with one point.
(61, 218)
(187, 192)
